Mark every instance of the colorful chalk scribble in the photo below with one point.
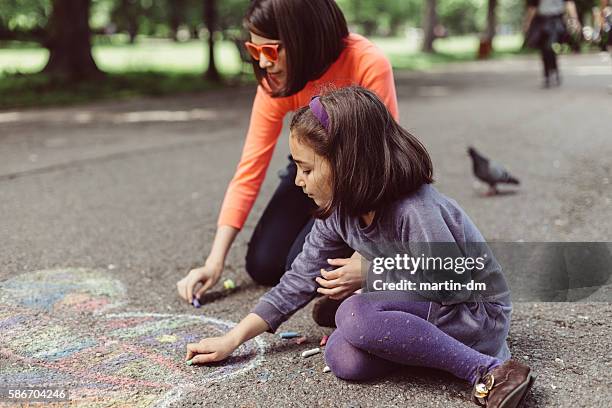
(56, 330)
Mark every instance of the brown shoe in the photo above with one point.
(324, 311)
(506, 386)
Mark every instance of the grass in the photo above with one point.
(149, 68)
(147, 55)
(161, 67)
(26, 90)
(407, 55)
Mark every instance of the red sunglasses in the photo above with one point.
(270, 51)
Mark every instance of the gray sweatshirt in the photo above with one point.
(425, 216)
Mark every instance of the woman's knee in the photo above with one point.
(263, 267)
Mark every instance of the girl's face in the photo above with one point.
(277, 70)
(313, 172)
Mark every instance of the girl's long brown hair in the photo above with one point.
(373, 160)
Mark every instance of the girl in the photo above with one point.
(296, 47)
(371, 181)
(544, 27)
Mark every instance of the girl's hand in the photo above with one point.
(343, 281)
(218, 348)
(206, 276)
(210, 350)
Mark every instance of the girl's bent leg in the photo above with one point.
(350, 363)
(284, 218)
(397, 330)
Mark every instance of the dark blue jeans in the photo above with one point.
(280, 232)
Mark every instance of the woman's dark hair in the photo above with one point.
(312, 32)
(373, 160)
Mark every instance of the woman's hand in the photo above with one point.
(210, 350)
(206, 276)
(343, 281)
(209, 274)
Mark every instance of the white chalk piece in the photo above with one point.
(312, 352)
(326, 369)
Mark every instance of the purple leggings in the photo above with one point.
(376, 333)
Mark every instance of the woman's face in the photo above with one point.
(313, 172)
(277, 70)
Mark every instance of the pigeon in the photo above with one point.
(490, 172)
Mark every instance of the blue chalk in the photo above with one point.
(288, 335)
(196, 303)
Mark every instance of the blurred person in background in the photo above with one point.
(544, 27)
(604, 23)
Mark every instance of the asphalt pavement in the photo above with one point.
(133, 188)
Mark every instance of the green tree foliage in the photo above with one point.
(24, 15)
(381, 17)
(462, 16)
(163, 18)
(127, 15)
(390, 17)
(24, 20)
(231, 14)
(510, 13)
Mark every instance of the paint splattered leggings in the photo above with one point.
(375, 334)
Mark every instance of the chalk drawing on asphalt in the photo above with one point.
(64, 328)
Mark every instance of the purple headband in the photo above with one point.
(319, 111)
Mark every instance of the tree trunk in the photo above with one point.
(394, 26)
(486, 41)
(177, 16)
(369, 28)
(69, 41)
(429, 24)
(131, 10)
(210, 19)
(491, 21)
(132, 33)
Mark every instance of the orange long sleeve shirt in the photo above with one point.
(361, 63)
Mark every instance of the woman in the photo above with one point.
(544, 26)
(298, 48)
